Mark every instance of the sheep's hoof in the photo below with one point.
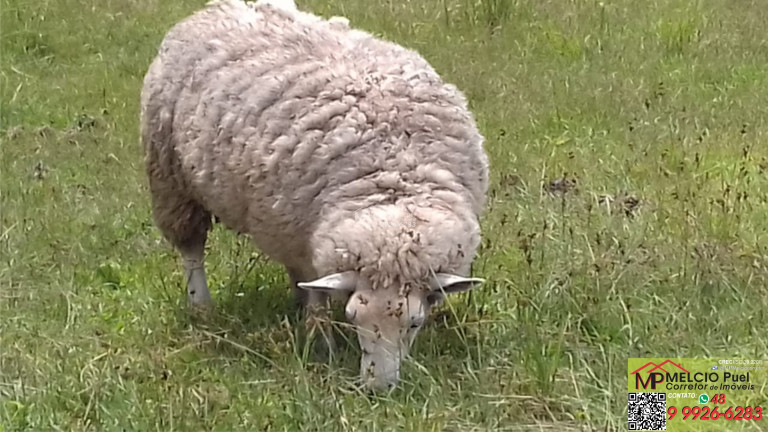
(198, 307)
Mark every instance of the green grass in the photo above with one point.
(656, 110)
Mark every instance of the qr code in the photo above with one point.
(647, 411)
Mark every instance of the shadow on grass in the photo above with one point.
(255, 315)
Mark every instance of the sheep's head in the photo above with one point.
(388, 319)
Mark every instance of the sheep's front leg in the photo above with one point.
(198, 294)
(318, 320)
(317, 316)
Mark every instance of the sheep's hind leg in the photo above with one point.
(185, 224)
(198, 294)
(181, 219)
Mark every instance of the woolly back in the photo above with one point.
(312, 120)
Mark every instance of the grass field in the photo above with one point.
(626, 218)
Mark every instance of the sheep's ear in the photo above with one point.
(445, 283)
(344, 281)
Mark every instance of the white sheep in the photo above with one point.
(344, 157)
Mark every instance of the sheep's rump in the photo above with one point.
(266, 118)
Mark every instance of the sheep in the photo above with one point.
(343, 156)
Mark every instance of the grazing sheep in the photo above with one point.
(344, 157)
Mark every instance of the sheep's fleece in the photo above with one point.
(344, 157)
